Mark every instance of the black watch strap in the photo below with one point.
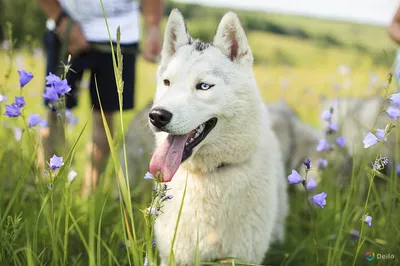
(60, 17)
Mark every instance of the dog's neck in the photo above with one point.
(218, 167)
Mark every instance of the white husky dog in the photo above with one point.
(212, 131)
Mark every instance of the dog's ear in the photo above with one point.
(232, 40)
(176, 35)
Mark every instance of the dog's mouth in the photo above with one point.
(196, 136)
(178, 148)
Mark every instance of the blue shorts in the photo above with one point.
(100, 65)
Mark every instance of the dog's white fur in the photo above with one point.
(238, 209)
(298, 139)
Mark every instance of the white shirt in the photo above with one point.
(89, 15)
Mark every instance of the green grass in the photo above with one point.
(57, 227)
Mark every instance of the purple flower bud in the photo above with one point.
(61, 87)
(311, 184)
(24, 77)
(322, 164)
(369, 140)
(33, 120)
(326, 115)
(333, 127)
(3, 98)
(340, 141)
(294, 177)
(20, 102)
(393, 112)
(56, 162)
(395, 99)
(307, 164)
(148, 176)
(319, 199)
(12, 110)
(367, 219)
(323, 145)
(50, 94)
(51, 79)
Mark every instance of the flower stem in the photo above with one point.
(312, 221)
(53, 238)
(359, 244)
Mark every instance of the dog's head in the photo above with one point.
(203, 89)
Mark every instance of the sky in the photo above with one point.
(364, 11)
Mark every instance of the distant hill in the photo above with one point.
(276, 39)
(366, 40)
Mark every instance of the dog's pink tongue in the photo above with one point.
(168, 156)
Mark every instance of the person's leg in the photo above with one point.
(100, 150)
(53, 136)
(52, 47)
(53, 141)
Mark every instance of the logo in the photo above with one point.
(370, 255)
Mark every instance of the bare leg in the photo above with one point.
(99, 152)
(53, 139)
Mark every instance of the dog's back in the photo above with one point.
(297, 139)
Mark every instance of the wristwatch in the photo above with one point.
(52, 24)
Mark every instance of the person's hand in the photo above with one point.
(77, 42)
(152, 44)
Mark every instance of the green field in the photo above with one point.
(300, 60)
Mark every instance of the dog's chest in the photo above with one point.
(198, 222)
(212, 216)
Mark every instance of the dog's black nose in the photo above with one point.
(160, 117)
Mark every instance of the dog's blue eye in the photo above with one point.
(203, 86)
